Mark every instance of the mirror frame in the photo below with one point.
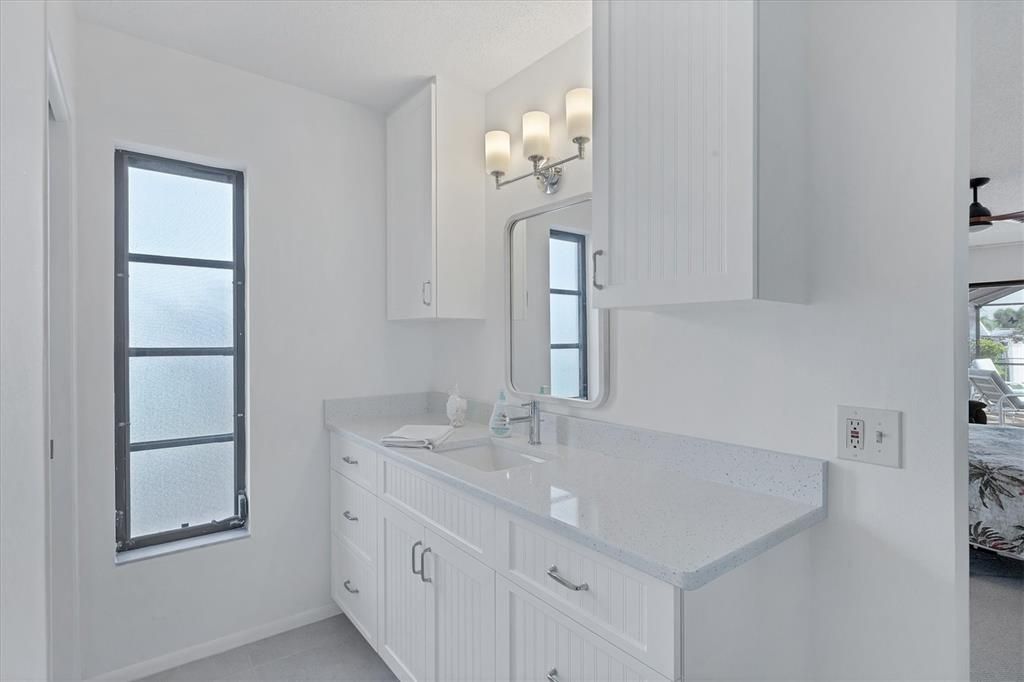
(601, 315)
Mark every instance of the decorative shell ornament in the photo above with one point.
(456, 408)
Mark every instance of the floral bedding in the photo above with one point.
(996, 488)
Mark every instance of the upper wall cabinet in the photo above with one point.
(677, 216)
(435, 205)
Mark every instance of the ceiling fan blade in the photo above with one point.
(1017, 216)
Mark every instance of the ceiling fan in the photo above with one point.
(981, 217)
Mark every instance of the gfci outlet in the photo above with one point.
(870, 435)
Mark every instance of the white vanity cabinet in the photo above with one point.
(435, 204)
(676, 157)
(445, 586)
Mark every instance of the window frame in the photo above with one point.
(580, 240)
(123, 161)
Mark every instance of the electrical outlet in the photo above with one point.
(870, 435)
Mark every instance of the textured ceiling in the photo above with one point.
(997, 113)
(369, 52)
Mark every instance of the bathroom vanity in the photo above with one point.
(570, 560)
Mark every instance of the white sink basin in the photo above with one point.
(489, 457)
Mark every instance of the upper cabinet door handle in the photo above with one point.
(427, 292)
(348, 460)
(599, 252)
(553, 574)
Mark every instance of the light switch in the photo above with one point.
(869, 435)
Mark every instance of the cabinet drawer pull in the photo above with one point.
(348, 460)
(599, 252)
(553, 675)
(348, 586)
(553, 574)
(414, 546)
(423, 568)
(349, 516)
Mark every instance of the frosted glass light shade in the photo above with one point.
(536, 134)
(497, 151)
(579, 113)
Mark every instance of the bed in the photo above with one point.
(996, 489)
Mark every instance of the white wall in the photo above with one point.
(315, 185)
(879, 590)
(996, 262)
(23, 569)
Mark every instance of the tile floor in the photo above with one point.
(331, 649)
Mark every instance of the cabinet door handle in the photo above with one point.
(425, 289)
(349, 516)
(599, 252)
(553, 675)
(414, 546)
(348, 586)
(348, 460)
(553, 574)
(423, 568)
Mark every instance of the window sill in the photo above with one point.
(143, 553)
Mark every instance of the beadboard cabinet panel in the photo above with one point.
(536, 642)
(460, 603)
(676, 206)
(402, 596)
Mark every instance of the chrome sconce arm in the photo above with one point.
(548, 173)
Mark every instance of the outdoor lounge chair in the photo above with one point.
(994, 390)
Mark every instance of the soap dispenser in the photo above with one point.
(498, 424)
(456, 408)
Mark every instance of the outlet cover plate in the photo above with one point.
(882, 437)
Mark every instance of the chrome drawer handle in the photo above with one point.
(349, 516)
(423, 568)
(348, 460)
(414, 546)
(348, 586)
(553, 675)
(553, 574)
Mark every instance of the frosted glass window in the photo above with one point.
(188, 485)
(565, 372)
(179, 353)
(176, 305)
(180, 397)
(564, 264)
(175, 215)
(565, 321)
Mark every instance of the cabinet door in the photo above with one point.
(401, 596)
(674, 86)
(411, 208)
(537, 642)
(460, 608)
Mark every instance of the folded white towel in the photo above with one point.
(418, 436)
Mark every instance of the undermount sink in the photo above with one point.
(489, 457)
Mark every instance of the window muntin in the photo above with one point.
(568, 314)
(180, 456)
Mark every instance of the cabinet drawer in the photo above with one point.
(355, 462)
(465, 521)
(354, 516)
(635, 612)
(536, 642)
(354, 588)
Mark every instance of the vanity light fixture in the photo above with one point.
(537, 143)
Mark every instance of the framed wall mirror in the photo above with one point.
(556, 343)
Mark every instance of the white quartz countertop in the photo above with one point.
(677, 528)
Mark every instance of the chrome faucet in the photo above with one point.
(533, 418)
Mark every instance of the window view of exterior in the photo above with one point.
(568, 276)
(180, 462)
(997, 345)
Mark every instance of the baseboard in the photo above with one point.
(218, 646)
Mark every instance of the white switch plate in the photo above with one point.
(881, 438)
